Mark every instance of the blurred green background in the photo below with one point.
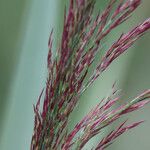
(24, 30)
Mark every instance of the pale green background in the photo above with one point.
(24, 29)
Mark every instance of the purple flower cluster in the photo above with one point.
(82, 39)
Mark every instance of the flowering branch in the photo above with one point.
(108, 140)
(67, 70)
(102, 116)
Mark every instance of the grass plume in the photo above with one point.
(81, 40)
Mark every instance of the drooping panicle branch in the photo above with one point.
(109, 139)
(102, 116)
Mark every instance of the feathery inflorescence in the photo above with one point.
(82, 39)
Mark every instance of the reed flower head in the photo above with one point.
(82, 39)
